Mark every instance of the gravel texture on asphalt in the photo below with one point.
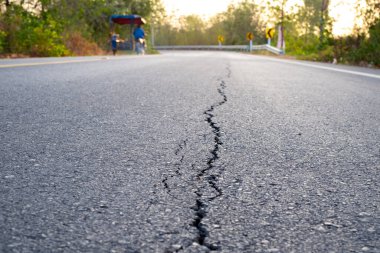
(188, 152)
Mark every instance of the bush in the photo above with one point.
(2, 41)
(45, 41)
(360, 49)
(79, 46)
(326, 54)
(30, 34)
(372, 47)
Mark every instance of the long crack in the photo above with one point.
(201, 203)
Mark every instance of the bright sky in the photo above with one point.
(343, 11)
(204, 8)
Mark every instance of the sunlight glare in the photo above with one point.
(343, 12)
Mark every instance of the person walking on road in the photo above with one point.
(114, 43)
(139, 36)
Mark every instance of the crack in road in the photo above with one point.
(178, 165)
(201, 205)
(181, 146)
(212, 179)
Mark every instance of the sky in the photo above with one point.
(204, 8)
(343, 11)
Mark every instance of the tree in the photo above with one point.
(215, 29)
(324, 19)
(192, 30)
(309, 18)
(242, 18)
(27, 24)
(317, 18)
(280, 17)
(371, 13)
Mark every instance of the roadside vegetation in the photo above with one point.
(307, 30)
(81, 27)
(63, 27)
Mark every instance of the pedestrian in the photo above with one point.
(139, 36)
(114, 43)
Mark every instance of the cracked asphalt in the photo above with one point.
(188, 152)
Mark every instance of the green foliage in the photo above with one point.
(28, 34)
(38, 38)
(368, 51)
(63, 27)
(372, 45)
(233, 24)
(240, 19)
(81, 27)
(3, 36)
(361, 48)
(192, 29)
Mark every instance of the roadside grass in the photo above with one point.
(313, 58)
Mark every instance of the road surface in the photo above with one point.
(188, 152)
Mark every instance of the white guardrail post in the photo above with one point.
(266, 47)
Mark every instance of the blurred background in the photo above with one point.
(321, 30)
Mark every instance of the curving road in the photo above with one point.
(188, 152)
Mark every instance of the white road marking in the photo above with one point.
(101, 58)
(323, 67)
(46, 63)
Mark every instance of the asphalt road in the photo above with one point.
(188, 152)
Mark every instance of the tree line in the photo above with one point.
(81, 27)
(307, 30)
(63, 27)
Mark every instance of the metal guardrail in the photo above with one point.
(223, 48)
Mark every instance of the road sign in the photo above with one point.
(220, 38)
(269, 33)
(249, 36)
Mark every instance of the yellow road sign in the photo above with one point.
(221, 38)
(249, 36)
(269, 33)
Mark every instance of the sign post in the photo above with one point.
(269, 33)
(250, 38)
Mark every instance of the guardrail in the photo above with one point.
(271, 49)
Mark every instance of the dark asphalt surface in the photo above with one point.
(188, 152)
